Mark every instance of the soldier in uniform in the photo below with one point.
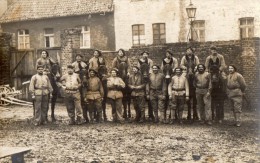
(169, 63)
(156, 92)
(236, 87)
(137, 86)
(114, 85)
(145, 61)
(215, 59)
(40, 88)
(94, 96)
(45, 60)
(80, 68)
(71, 85)
(202, 82)
(97, 63)
(178, 90)
(188, 63)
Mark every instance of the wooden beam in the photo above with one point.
(26, 52)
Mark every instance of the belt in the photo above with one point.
(201, 87)
(71, 89)
(41, 88)
(232, 88)
(178, 89)
(113, 89)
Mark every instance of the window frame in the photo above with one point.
(158, 33)
(24, 39)
(197, 30)
(85, 36)
(246, 27)
(50, 37)
(139, 35)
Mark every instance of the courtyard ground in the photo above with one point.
(129, 142)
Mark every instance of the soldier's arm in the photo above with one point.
(128, 65)
(222, 63)
(182, 64)
(197, 60)
(121, 83)
(187, 89)
(164, 88)
(79, 81)
(207, 64)
(241, 82)
(151, 66)
(49, 85)
(32, 84)
(175, 64)
(210, 83)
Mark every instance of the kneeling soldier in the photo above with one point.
(72, 95)
(94, 96)
(178, 89)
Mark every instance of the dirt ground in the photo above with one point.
(130, 142)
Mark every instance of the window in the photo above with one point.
(246, 27)
(138, 35)
(85, 37)
(23, 39)
(159, 36)
(49, 37)
(198, 32)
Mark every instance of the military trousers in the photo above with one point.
(138, 102)
(116, 105)
(204, 106)
(73, 104)
(41, 107)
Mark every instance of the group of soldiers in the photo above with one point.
(165, 89)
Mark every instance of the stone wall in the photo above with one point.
(5, 55)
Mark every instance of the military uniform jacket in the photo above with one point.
(95, 89)
(136, 84)
(157, 86)
(114, 86)
(235, 84)
(178, 86)
(40, 85)
(202, 82)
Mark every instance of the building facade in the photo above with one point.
(37, 24)
(146, 22)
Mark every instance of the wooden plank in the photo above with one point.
(9, 151)
(19, 62)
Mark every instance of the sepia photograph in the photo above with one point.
(129, 81)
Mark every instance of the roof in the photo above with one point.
(23, 10)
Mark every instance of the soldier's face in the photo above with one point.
(231, 69)
(168, 55)
(155, 69)
(213, 51)
(113, 73)
(200, 68)
(96, 54)
(188, 52)
(135, 70)
(145, 55)
(70, 71)
(92, 73)
(178, 72)
(120, 53)
(40, 71)
(78, 58)
(44, 54)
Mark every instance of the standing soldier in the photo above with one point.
(145, 65)
(156, 92)
(215, 64)
(72, 84)
(188, 63)
(80, 68)
(97, 63)
(137, 86)
(41, 88)
(94, 96)
(169, 63)
(115, 85)
(202, 83)
(236, 86)
(122, 63)
(178, 91)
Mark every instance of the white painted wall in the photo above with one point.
(221, 18)
(3, 6)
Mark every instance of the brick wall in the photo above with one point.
(5, 51)
(244, 54)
